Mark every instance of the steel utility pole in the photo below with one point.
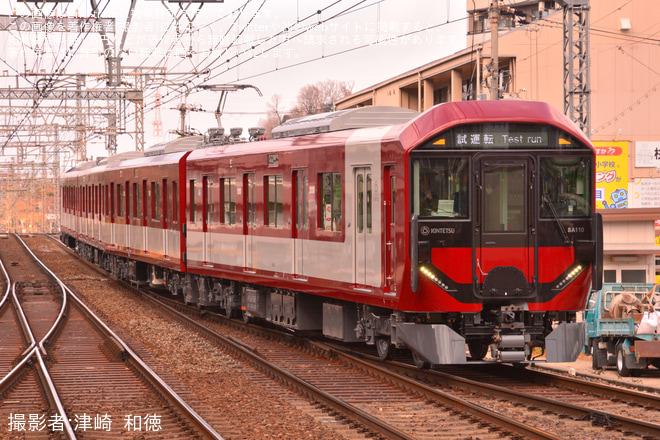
(494, 34)
(577, 89)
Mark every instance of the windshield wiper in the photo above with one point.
(546, 199)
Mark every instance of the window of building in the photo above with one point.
(228, 202)
(330, 201)
(609, 276)
(633, 276)
(274, 201)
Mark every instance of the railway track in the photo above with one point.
(408, 408)
(78, 379)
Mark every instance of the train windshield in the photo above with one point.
(565, 186)
(440, 187)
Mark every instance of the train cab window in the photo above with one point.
(330, 201)
(440, 187)
(274, 193)
(565, 186)
(228, 202)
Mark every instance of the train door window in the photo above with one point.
(155, 201)
(251, 200)
(144, 202)
(207, 183)
(504, 204)
(127, 192)
(137, 201)
(302, 220)
(440, 187)
(120, 199)
(165, 203)
(228, 202)
(112, 201)
(369, 204)
(274, 194)
(193, 202)
(329, 201)
(360, 203)
(175, 200)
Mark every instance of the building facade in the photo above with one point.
(624, 93)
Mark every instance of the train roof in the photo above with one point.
(408, 128)
(361, 117)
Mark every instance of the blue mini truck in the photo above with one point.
(621, 329)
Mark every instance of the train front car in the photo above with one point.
(505, 244)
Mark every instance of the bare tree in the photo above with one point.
(312, 99)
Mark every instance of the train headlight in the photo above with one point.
(570, 275)
(432, 274)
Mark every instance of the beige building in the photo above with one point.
(624, 90)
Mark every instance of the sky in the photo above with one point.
(277, 46)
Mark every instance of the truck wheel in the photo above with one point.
(621, 362)
(596, 354)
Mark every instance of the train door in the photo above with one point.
(301, 222)
(389, 203)
(249, 219)
(363, 224)
(505, 226)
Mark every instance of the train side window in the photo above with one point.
(329, 201)
(193, 202)
(175, 200)
(228, 200)
(275, 205)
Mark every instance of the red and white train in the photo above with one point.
(469, 225)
